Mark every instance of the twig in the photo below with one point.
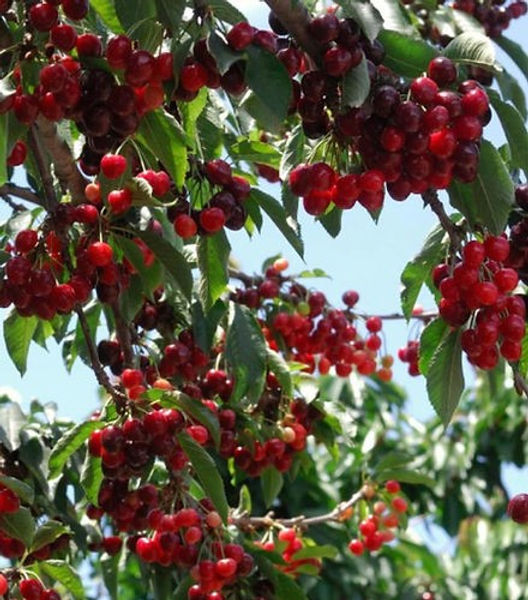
(268, 521)
(453, 231)
(123, 335)
(64, 166)
(295, 18)
(246, 279)
(425, 316)
(10, 189)
(97, 367)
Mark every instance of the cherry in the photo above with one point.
(356, 547)
(325, 28)
(467, 128)
(497, 248)
(113, 165)
(89, 44)
(165, 66)
(4, 585)
(442, 70)
(185, 226)
(43, 16)
(63, 297)
(424, 90)
(140, 68)
(25, 108)
(31, 589)
(518, 508)
(9, 502)
(226, 567)
(17, 155)
(120, 200)
(218, 172)
(75, 9)
(193, 77)
(399, 504)
(240, 36)
(100, 254)
(337, 61)
(475, 102)
(63, 37)
(112, 544)
(322, 176)
(53, 77)
(392, 486)
(50, 108)
(442, 143)
(118, 51)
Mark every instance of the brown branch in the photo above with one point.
(295, 18)
(454, 232)
(425, 316)
(268, 521)
(64, 166)
(10, 189)
(123, 335)
(101, 375)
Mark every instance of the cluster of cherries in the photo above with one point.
(30, 589)
(288, 542)
(410, 354)
(225, 207)
(477, 292)
(378, 528)
(495, 16)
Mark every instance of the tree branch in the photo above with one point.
(9, 189)
(430, 197)
(64, 166)
(123, 335)
(295, 18)
(268, 521)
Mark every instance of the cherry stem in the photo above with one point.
(430, 198)
(268, 521)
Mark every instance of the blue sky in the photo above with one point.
(366, 257)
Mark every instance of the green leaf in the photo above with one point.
(91, 478)
(394, 17)
(19, 525)
(269, 80)
(131, 12)
(516, 52)
(163, 135)
(18, 333)
(213, 256)
(12, 421)
(172, 259)
(190, 112)
(391, 460)
(172, 11)
(245, 351)
(472, 48)
(24, 491)
(406, 476)
(288, 227)
(279, 367)
(293, 152)
(523, 362)
(222, 53)
(195, 409)
(48, 533)
(445, 380)
(365, 14)
(107, 11)
(407, 56)
(207, 473)
(4, 153)
(514, 129)
(356, 85)
(331, 221)
(69, 443)
(255, 151)
(316, 552)
(205, 325)
(488, 200)
(162, 583)
(61, 571)
(265, 117)
(110, 572)
(418, 270)
(151, 276)
(225, 11)
(432, 336)
(271, 482)
(512, 91)
(183, 588)
(287, 589)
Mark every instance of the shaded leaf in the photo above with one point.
(91, 478)
(195, 409)
(19, 525)
(213, 255)
(356, 85)
(278, 366)
(366, 15)
(24, 491)
(516, 52)
(48, 533)
(432, 336)
(271, 482)
(61, 571)
(71, 441)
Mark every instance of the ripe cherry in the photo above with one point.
(75, 9)
(356, 547)
(31, 589)
(63, 36)
(442, 70)
(185, 226)
(518, 508)
(140, 68)
(43, 16)
(4, 585)
(226, 567)
(100, 254)
(89, 44)
(240, 36)
(17, 155)
(113, 165)
(212, 219)
(118, 51)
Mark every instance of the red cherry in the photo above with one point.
(218, 172)
(31, 589)
(518, 508)
(120, 200)
(392, 486)
(356, 547)
(475, 102)
(53, 77)
(43, 16)
(467, 128)
(9, 502)
(63, 36)
(497, 248)
(113, 165)
(399, 504)
(25, 108)
(63, 297)
(165, 66)
(118, 51)
(4, 585)
(17, 155)
(212, 219)
(337, 61)
(193, 77)
(424, 90)
(240, 36)
(100, 254)
(185, 226)
(89, 44)
(131, 377)
(140, 68)
(442, 70)
(226, 567)
(75, 9)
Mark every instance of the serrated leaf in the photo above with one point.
(69, 443)
(418, 270)
(61, 571)
(225, 11)
(19, 525)
(407, 56)
(163, 135)
(213, 256)
(472, 48)
(356, 85)
(92, 477)
(269, 80)
(207, 472)
(277, 214)
(172, 259)
(516, 52)
(365, 14)
(271, 482)
(488, 200)
(316, 552)
(107, 11)
(24, 491)
(406, 476)
(331, 221)
(12, 421)
(18, 333)
(512, 91)
(445, 380)
(279, 367)
(48, 533)
(432, 336)
(514, 129)
(195, 409)
(293, 151)
(394, 17)
(245, 351)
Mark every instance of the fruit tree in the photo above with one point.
(250, 443)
